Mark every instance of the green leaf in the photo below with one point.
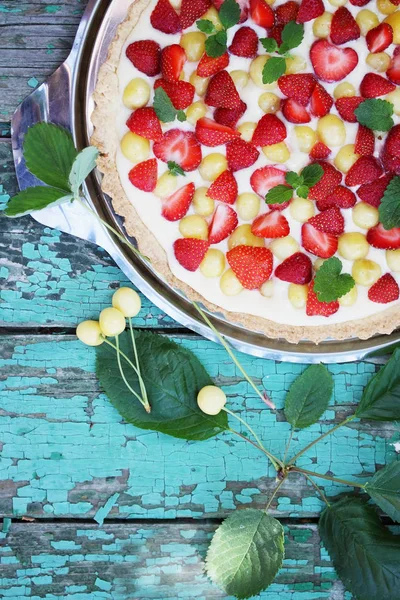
(273, 69)
(213, 48)
(389, 209)
(173, 376)
(330, 283)
(175, 169)
(303, 191)
(83, 165)
(49, 152)
(246, 553)
(309, 396)
(163, 106)
(293, 179)
(384, 489)
(222, 38)
(205, 26)
(181, 116)
(292, 35)
(375, 114)
(229, 13)
(35, 198)
(279, 194)
(269, 44)
(365, 554)
(381, 398)
(312, 174)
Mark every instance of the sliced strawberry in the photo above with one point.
(144, 122)
(393, 72)
(331, 63)
(180, 147)
(319, 151)
(145, 56)
(276, 33)
(176, 206)
(173, 59)
(344, 27)
(294, 112)
(164, 18)
(317, 242)
(144, 175)
(224, 188)
(372, 193)
(252, 265)
(287, 12)
(181, 93)
(379, 38)
(189, 252)
(385, 239)
(392, 145)
(261, 13)
(365, 141)
(374, 85)
(243, 4)
(316, 308)
(241, 155)
(244, 43)
(270, 130)
(223, 223)
(262, 180)
(321, 102)
(230, 116)
(346, 107)
(329, 181)
(341, 197)
(295, 269)
(191, 10)
(329, 221)
(222, 93)
(309, 10)
(299, 87)
(271, 225)
(209, 133)
(364, 170)
(209, 66)
(385, 290)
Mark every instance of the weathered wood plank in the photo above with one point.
(139, 561)
(65, 450)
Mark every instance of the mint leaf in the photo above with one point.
(229, 14)
(49, 153)
(329, 283)
(279, 194)
(384, 489)
(375, 114)
(163, 106)
(83, 165)
(175, 169)
(246, 553)
(303, 191)
(269, 44)
(274, 68)
(308, 397)
(213, 48)
(389, 209)
(222, 38)
(181, 116)
(205, 26)
(312, 174)
(292, 36)
(293, 179)
(35, 198)
(381, 398)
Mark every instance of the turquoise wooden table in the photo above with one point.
(93, 508)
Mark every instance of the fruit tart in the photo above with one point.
(253, 149)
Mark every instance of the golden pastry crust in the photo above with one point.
(105, 137)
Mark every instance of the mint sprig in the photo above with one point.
(376, 114)
(275, 67)
(164, 108)
(300, 184)
(217, 43)
(389, 209)
(330, 283)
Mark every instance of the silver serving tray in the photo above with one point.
(66, 99)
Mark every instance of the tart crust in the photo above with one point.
(105, 138)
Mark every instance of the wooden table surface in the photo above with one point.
(68, 462)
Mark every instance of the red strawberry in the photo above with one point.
(244, 43)
(331, 63)
(329, 221)
(383, 238)
(329, 181)
(276, 33)
(164, 18)
(391, 163)
(252, 265)
(298, 87)
(209, 133)
(144, 122)
(181, 147)
(365, 141)
(316, 308)
(344, 27)
(379, 38)
(295, 269)
(191, 10)
(145, 56)
(317, 242)
(189, 252)
(176, 206)
(346, 107)
(230, 116)
(359, 2)
(393, 72)
(385, 290)
(392, 145)
(209, 66)
(261, 13)
(223, 223)
(262, 180)
(309, 10)
(364, 170)
(144, 175)
(271, 225)
(173, 59)
(222, 93)
(286, 12)
(294, 112)
(241, 155)
(341, 196)
(244, 8)
(270, 130)
(320, 151)
(181, 93)
(372, 193)
(374, 85)
(321, 102)
(224, 188)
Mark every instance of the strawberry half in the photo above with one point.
(244, 43)
(261, 13)
(374, 85)
(344, 27)
(222, 93)
(393, 72)
(385, 290)
(173, 60)
(176, 206)
(286, 12)
(294, 112)
(331, 63)
(189, 252)
(181, 147)
(379, 38)
(299, 87)
(144, 175)
(317, 242)
(252, 265)
(230, 116)
(144, 122)
(319, 151)
(295, 269)
(364, 170)
(224, 221)
(241, 155)
(211, 134)
(209, 66)
(181, 93)
(346, 107)
(271, 225)
(341, 197)
(224, 188)
(365, 141)
(164, 18)
(329, 221)
(262, 180)
(372, 193)
(316, 308)
(145, 56)
(309, 10)
(321, 102)
(270, 130)
(384, 239)
(329, 181)
(191, 10)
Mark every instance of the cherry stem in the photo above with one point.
(288, 446)
(320, 492)
(274, 493)
(141, 382)
(122, 371)
(328, 477)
